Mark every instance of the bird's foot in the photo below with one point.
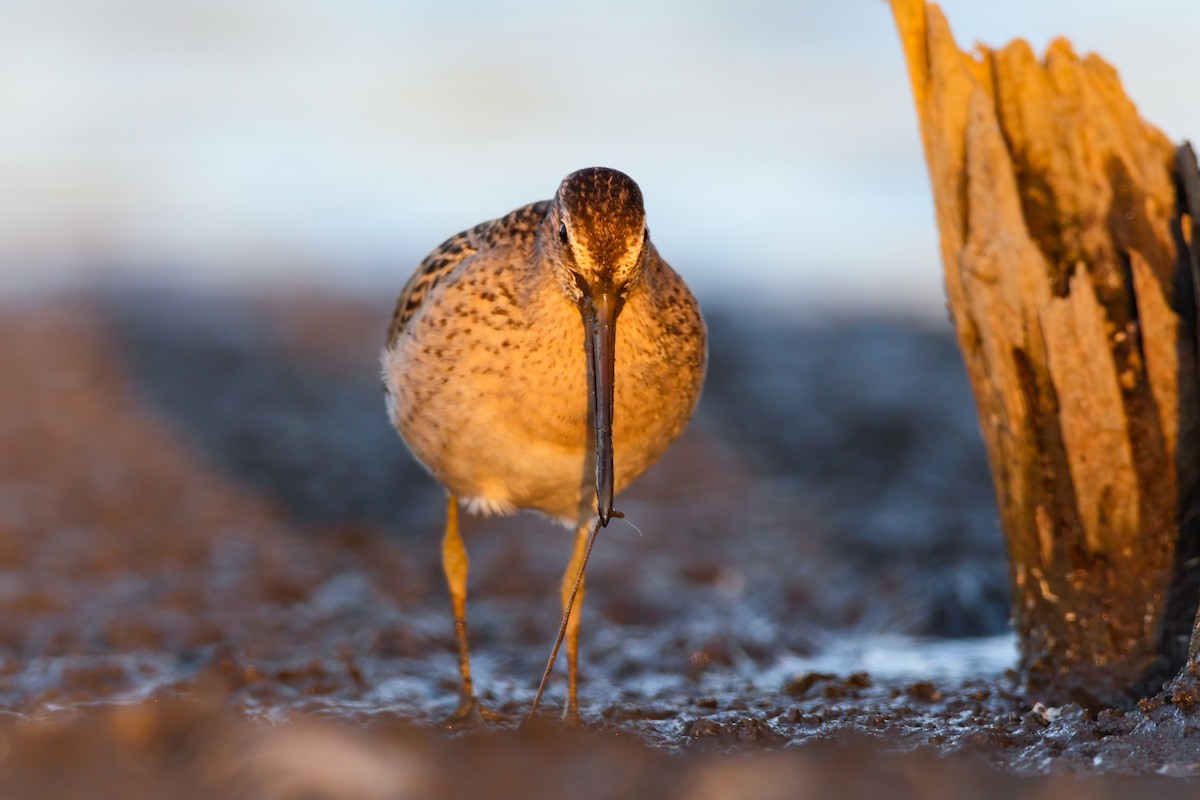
(472, 714)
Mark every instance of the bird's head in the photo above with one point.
(598, 239)
(599, 232)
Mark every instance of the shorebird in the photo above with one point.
(509, 379)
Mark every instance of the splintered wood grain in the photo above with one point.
(1004, 284)
(1059, 229)
(1042, 169)
(943, 80)
(1095, 178)
(1161, 339)
(1092, 416)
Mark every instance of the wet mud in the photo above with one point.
(219, 574)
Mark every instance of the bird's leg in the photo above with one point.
(571, 710)
(454, 564)
(579, 566)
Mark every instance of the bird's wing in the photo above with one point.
(513, 226)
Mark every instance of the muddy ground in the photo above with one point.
(219, 577)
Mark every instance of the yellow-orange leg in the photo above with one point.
(455, 565)
(571, 710)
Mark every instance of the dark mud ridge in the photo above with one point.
(220, 578)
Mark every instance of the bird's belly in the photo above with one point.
(523, 439)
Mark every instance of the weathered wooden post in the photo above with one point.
(1065, 242)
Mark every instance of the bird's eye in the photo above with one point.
(562, 232)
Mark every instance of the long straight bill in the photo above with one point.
(600, 311)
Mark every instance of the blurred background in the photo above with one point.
(207, 208)
(334, 143)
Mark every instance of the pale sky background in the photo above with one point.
(334, 142)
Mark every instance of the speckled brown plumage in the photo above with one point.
(485, 369)
(516, 342)
(449, 254)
